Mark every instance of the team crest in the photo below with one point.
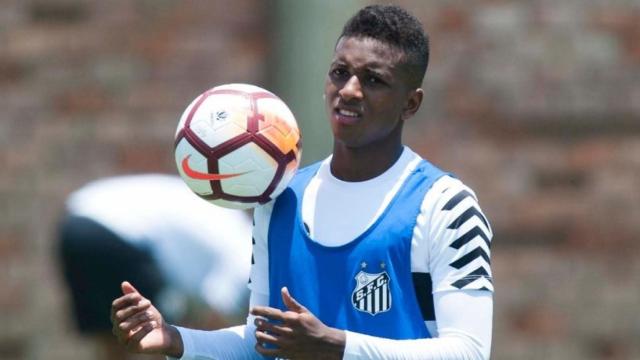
(372, 294)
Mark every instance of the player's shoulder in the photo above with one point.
(448, 184)
(447, 192)
(445, 187)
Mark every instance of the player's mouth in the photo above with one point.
(347, 116)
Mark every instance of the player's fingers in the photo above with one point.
(136, 320)
(279, 330)
(268, 312)
(133, 341)
(270, 352)
(123, 302)
(125, 313)
(266, 338)
(291, 303)
(127, 288)
(126, 300)
(121, 335)
(115, 330)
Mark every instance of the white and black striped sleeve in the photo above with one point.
(459, 238)
(259, 275)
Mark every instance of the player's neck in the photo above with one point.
(363, 163)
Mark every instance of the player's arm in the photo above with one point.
(236, 342)
(297, 334)
(132, 311)
(141, 328)
(458, 337)
(457, 236)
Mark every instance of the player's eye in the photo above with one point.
(374, 80)
(339, 73)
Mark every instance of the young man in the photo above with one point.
(372, 253)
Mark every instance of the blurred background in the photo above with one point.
(534, 104)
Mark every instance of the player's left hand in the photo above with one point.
(296, 333)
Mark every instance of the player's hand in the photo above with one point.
(140, 327)
(296, 333)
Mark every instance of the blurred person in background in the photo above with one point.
(189, 257)
(373, 253)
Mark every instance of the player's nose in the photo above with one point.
(352, 89)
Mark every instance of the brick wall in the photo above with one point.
(533, 104)
(536, 106)
(89, 89)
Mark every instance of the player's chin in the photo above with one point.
(347, 138)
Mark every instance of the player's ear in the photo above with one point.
(412, 104)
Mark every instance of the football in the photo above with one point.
(237, 145)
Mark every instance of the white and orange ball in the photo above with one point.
(237, 146)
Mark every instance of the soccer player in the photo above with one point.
(188, 256)
(373, 253)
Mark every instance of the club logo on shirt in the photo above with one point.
(372, 294)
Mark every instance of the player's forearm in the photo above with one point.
(463, 333)
(231, 343)
(452, 347)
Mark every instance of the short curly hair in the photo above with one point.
(395, 26)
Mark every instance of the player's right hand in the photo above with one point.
(140, 327)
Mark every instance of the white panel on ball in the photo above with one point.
(197, 162)
(220, 118)
(234, 204)
(250, 158)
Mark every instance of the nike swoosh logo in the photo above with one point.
(194, 174)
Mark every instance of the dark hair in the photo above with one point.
(393, 25)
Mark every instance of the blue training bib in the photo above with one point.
(363, 286)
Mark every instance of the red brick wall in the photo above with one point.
(89, 89)
(536, 105)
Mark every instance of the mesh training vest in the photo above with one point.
(363, 286)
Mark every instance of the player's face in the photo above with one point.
(367, 93)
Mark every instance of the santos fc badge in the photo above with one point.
(372, 294)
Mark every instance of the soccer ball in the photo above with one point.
(237, 146)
